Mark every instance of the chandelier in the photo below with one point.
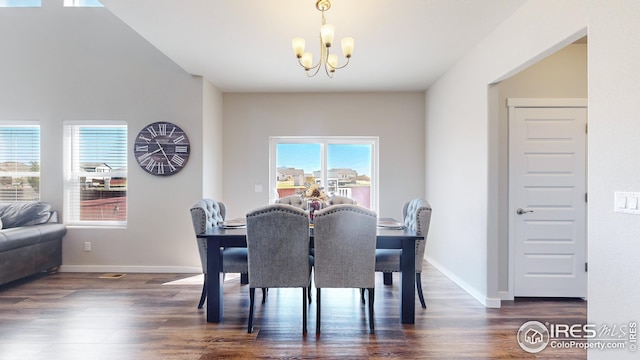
(327, 60)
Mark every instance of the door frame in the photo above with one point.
(512, 105)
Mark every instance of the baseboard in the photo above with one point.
(131, 269)
(482, 299)
(505, 295)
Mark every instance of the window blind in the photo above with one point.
(19, 162)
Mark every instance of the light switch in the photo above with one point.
(621, 202)
(257, 188)
(627, 202)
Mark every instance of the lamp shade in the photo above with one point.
(347, 46)
(298, 46)
(307, 60)
(332, 60)
(327, 32)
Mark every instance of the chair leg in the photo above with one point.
(309, 293)
(304, 310)
(419, 286)
(387, 278)
(371, 296)
(317, 311)
(264, 294)
(252, 297)
(203, 297)
(244, 278)
(362, 295)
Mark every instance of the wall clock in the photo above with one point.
(162, 148)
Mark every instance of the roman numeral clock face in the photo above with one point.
(162, 148)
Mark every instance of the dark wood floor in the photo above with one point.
(82, 316)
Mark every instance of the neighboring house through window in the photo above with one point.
(95, 174)
(19, 161)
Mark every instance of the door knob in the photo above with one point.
(520, 211)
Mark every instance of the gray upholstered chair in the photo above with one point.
(417, 217)
(345, 246)
(337, 200)
(278, 252)
(294, 200)
(205, 214)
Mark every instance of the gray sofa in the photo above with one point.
(30, 240)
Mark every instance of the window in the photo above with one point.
(19, 161)
(20, 3)
(345, 166)
(82, 3)
(95, 174)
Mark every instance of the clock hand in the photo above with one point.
(165, 155)
(144, 157)
(153, 152)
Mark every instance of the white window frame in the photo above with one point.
(32, 124)
(324, 141)
(71, 163)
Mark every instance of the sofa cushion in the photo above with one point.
(24, 213)
(15, 238)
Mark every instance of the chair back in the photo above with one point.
(205, 214)
(345, 246)
(417, 217)
(337, 200)
(278, 247)
(294, 200)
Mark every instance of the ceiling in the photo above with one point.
(245, 45)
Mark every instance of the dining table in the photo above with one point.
(387, 237)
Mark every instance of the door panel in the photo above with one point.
(547, 180)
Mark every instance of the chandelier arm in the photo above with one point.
(343, 66)
(315, 72)
(327, 71)
(313, 67)
(326, 60)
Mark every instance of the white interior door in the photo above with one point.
(547, 198)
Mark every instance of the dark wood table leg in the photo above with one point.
(214, 280)
(407, 279)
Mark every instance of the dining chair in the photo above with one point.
(416, 216)
(294, 200)
(278, 252)
(345, 246)
(337, 199)
(206, 214)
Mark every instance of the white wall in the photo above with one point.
(83, 63)
(459, 242)
(462, 164)
(249, 120)
(211, 138)
(614, 133)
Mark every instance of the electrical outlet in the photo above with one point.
(87, 246)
